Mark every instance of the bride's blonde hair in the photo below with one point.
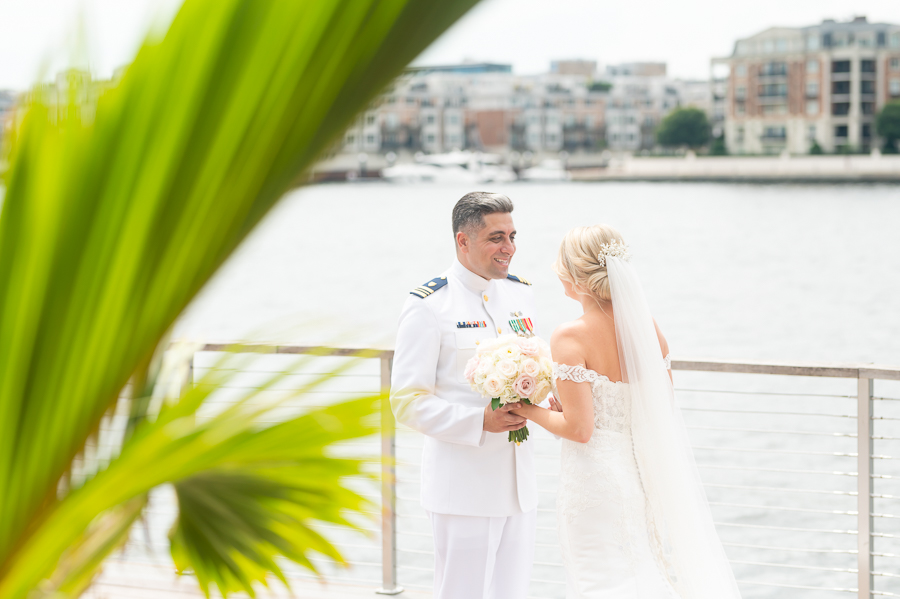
(578, 263)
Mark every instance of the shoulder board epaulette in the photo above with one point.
(430, 287)
(518, 279)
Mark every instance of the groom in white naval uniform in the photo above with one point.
(479, 490)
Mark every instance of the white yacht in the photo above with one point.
(451, 167)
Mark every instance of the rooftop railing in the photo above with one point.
(799, 461)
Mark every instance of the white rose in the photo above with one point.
(546, 367)
(507, 368)
(531, 368)
(540, 392)
(493, 385)
(511, 350)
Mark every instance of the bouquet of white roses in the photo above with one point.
(510, 369)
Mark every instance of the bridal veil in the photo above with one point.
(685, 536)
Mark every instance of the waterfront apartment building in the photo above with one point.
(786, 89)
(483, 107)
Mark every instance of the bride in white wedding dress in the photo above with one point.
(634, 522)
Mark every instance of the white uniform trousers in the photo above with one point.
(478, 557)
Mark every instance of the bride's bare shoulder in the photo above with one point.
(568, 334)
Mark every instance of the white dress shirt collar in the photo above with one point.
(469, 278)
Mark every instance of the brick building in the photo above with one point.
(788, 88)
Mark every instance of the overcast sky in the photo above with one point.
(526, 33)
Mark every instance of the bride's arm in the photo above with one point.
(576, 421)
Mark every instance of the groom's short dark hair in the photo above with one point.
(470, 209)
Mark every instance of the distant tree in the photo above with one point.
(684, 127)
(888, 126)
(718, 147)
(815, 148)
(600, 86)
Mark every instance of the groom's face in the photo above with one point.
(490, 249)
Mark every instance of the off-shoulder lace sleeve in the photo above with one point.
(668, 361)
(576, 374)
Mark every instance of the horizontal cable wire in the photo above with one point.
(791, 529)
(885, 594)
(894, 555)
(884, 516)
(785, 509)
(777, 431)
(885, 574)
(773, 393)
(794, 566)
(768, 413)
(796, 586)
(778, 451)
(785, 470)
(793, 549)
(782, 489)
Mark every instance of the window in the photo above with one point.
(781, 45)
(740, 70)
(812, 107)
(739, 135)
(840, 131)
(768, 46)
(868, 107)
(774, 69)
(867, 87)
(774, 109)
(740, 108)
(894, 87)
(840, 66)
(429, 119)
(740, 92)
(865, 41)
(812, 42)
(812, 66)
(895, 64)
(410, 101)
(775, 132)
(551, 138)
(812, 89)
(867, 131)
(370, 119)
(840, 108)
(840, 87)
(773, 90)
(351, 138)
(370, 139)
(867, 66)
(589, 122)
(453, 119)
(811, 132)
(430, 138)
(895, 40)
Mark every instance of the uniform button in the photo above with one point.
(485, 298)
(499, 330)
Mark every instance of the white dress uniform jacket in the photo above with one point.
(465, 471)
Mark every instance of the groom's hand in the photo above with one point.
(501, 420)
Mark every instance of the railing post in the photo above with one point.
(864, 486)
(389, 584)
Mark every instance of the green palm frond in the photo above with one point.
(120, 203)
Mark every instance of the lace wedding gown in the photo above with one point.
(610, 546)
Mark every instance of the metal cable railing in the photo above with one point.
(787, 454)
